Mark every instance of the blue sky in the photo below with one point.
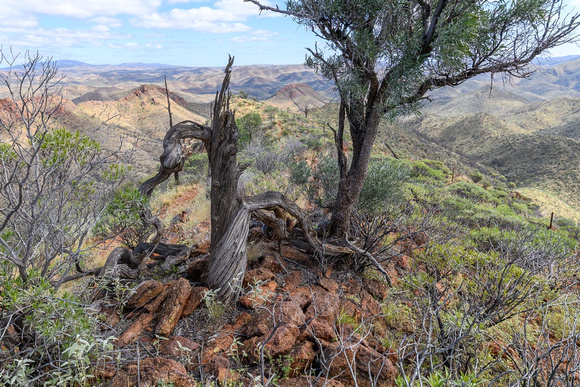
(177, 32)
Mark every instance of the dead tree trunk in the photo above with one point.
(222, 154)
(230, 214)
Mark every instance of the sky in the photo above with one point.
(177, 32)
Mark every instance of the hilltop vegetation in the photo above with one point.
(480, 286)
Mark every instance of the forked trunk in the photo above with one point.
(363, 132)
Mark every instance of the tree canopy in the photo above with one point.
(385, 55)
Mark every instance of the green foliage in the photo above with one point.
(64, 194)
(531, 247)
(215, 308)
(313, 142)
(62, 146)
(122, 216)
(300, 173)
(476, 176)
(57, 343)
(384, 184)
(472, 192)
(325, 181)
(248, 125)
(430, 169)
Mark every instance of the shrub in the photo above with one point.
(248, 126)
(430, 169)
(300, 173)
(472, 192)
(325, 182)
(55, 183)
(53, 342)
(476, 177)
(122, 217)
(384, 184)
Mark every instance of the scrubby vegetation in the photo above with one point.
(456, 279)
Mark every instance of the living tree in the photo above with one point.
(248, 125)
(384, 56)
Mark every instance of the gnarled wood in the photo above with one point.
(222, 155)
(172, 161)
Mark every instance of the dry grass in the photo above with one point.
(550, 203)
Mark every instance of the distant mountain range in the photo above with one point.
(527, 129)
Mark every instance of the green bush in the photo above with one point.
(430, 169)
(248, 125)
(300, 173)
(472, 192)
(325, 181)
(384, 184)
(122, 217)
(476, 176)
(55, 334)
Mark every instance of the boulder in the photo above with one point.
(324, 305)
(317, 329)
(178, 346)
(302, 355)
(258, 275)
(282, 340)
(366, 359)
(194, 300)
(150, 371)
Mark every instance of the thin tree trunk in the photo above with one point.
(351, 184)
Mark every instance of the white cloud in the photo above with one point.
(81, 9)
(139, 46)
(185, 1)
(224, 16)
(55, 37)
(110, 22)
(258, 35)
(100, 28)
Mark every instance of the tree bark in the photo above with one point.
(223, 164)
(363, 132)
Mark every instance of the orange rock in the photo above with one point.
(282, 340)
(303, 355)
(240, 321)
(301, 296)
(305, 381)
(404, 262)
(367, 359)
(324, 305)
(259, 296)
(144, 293)
(135, 330)
(284, 312)
(154, 305)
(328, 284)
(292, 280)
(178, 346)
(317, 329)
(217, 346)
(375, 287)
(111, 317)
(258, 275)
(150, 371)
(194, 300)
(173, 308)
